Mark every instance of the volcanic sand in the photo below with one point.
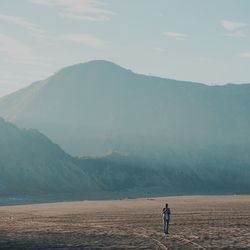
(197, 222)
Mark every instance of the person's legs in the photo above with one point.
(164, 226)
(167, 227)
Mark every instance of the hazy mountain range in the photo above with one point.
(33, 166)
(171, 136)
(97, 107)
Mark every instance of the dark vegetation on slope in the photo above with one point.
(31, 165)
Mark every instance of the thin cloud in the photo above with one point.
(231, 26)
(14, 51)
(86, 39)
(85, 10)
(237, 33)
(158, 49)
(234, 28)
(99, 18)
(35, 29)
(175, 35)
(245, 55)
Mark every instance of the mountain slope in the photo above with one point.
(30, 164)
(96, 107)
(176, 136)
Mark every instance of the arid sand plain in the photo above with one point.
(198, 222)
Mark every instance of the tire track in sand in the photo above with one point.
(158, 242)
(183, 239)
(161, 245)
(176, 236)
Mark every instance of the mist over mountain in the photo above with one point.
(172, 136)
(97, 107)
(30, 164)
(33, 167)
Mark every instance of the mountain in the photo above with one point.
(98, 107)
(30, 164)
(33, 167)
(172, 136)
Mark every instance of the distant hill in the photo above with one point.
(172, 136)
(33, 167)
(30, 164)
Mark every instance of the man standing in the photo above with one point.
(166, 218)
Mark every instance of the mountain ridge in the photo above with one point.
(111, 109)
(34, 169)
(100, 63)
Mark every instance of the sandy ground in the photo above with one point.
(198, 222)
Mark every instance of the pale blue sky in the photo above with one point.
(196, 40)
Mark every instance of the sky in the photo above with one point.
(205, 41)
